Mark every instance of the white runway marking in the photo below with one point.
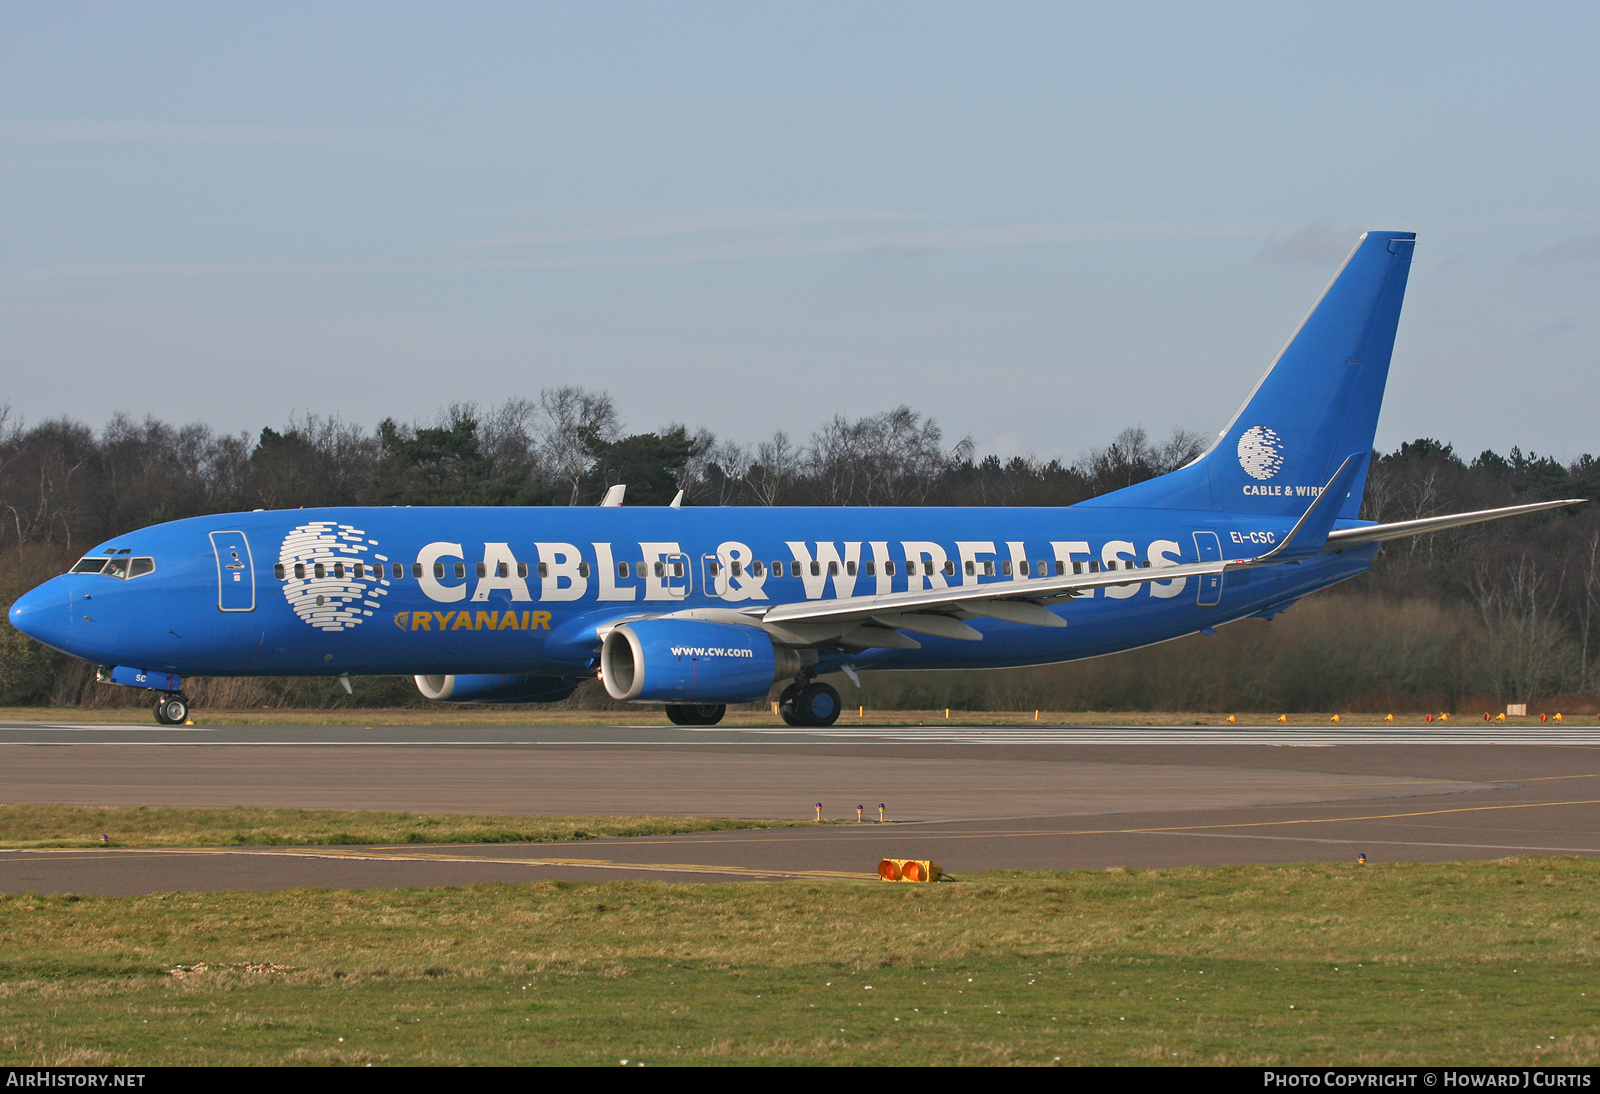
(392, 736)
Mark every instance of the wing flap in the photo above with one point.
(940, 626)
(984, 599)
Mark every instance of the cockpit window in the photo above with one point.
(118, 567)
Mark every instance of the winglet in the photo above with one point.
(613, 496)
(1310, 532)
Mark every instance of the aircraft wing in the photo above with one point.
(941, 611)
(876, 620)
(1378, 533)
(933, 611)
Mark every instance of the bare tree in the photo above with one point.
(506, 434)
(777, 465)
(893, 458)
(574, 420)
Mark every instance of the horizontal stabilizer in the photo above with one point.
(1379, 533)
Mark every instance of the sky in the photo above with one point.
(1038, 224)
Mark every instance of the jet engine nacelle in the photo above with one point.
(691, 661)
(496, 689)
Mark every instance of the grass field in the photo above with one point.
(171, 826)
(1394, 964)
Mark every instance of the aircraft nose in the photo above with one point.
(44, 614)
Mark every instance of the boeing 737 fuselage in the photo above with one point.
(695, 608)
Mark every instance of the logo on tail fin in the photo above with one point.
(1260, 452)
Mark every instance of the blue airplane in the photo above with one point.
(695, 608)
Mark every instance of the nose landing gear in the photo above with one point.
(172, 710)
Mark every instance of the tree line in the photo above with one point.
(1514, 606)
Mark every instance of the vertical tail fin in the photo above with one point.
(1316, 405)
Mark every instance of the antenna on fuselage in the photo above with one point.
(614, 495)
(677, 501)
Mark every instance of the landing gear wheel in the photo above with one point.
(816, 705)
(786, 709)
(698, 714)
(172, 710)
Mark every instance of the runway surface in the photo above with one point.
(970, 798)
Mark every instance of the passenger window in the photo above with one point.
(522, 569)
(737, 568)
(850, 568)
(300, 570)
(816, 568)
(1005, 568)
(1061, 568)
(714, 567)
(949, 568)
(416, 570)
(461, 569)
(777, 569)
(277, 571)
(1094, 567)
(583, 569)
(971, 568)
(1077, 567)
(1043, 568)
(661, 568)
(755, 568)
(438, 570)
(141, 566)
(501, 569)
(338, 570)
(888, 568)
(361, 570)
(872, 569)
(480, 569)
(677, 569)
(833, 569)
(320, 570)
(622, 569)
(544, 569)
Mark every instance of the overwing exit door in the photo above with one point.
(675, 575)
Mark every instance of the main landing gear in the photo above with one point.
(809, 704)
(700, 714)
(172, 710)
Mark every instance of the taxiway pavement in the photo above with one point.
(970, 798)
